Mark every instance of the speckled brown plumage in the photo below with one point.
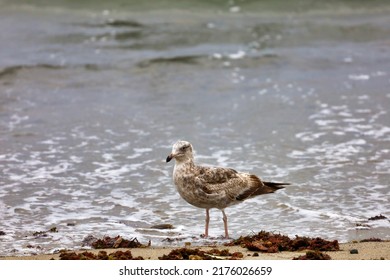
(213, 187)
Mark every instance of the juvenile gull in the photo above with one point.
(213, 187)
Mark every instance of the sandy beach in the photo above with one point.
(366, 251)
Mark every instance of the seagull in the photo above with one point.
(213, 187)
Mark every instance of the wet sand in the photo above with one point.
(366, 251)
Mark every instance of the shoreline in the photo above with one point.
(366, 251)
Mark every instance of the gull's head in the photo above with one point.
(181, 151)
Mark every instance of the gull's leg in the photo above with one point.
(225, 224)
(206, 228)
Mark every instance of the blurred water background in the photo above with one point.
(94, 93)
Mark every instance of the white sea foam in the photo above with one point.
(16, 120)
(238, 55)
(309, 136)
(359, 77)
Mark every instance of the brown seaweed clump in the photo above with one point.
(197, 254)
(372, 239)
(313, 255)
(267, 242)
(40, 234)
(116, 242)
(102, 255)
(378, 217)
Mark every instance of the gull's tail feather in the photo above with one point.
(258, 187)
(269, 187)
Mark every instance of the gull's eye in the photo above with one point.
(183, 148)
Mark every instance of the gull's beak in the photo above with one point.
(170, 157)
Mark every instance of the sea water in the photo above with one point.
(93, 95)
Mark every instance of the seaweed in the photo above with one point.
(117, 242)
(362, 226)
(88, 240)
(39, 234)
(120, 255)
(101, 255)
(372, 239)
(197, 254)
(267, 242)
(53, 229)
(378, 217)
(171, 240)
(313, 255)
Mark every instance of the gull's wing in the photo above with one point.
(226, 182)
(233, 185)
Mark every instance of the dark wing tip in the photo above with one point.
(276, 185)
